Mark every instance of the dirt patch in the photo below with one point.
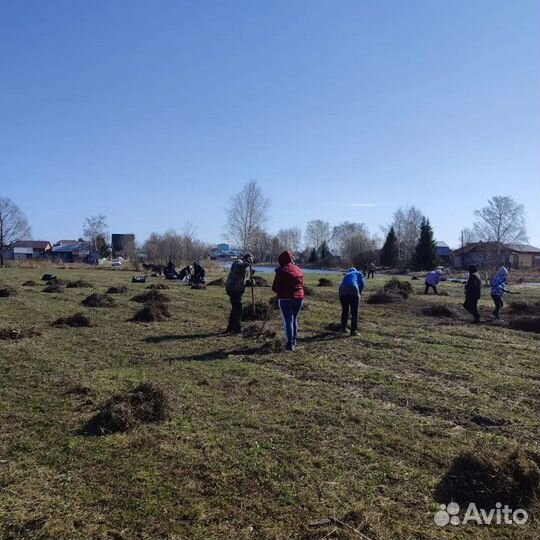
(487, 477)
(57, 281)
(79, 284)
(6, 292)
(325, 282)
(261, 313)
(79, 320)
(54, 288)
(158, 286)
(152, 312)
(526, 324)
(439, 311)
(381, 297)
(122, 289)
(152, 296)
(30, 283)
(15, 334)
(524, 308)
(217, 283)
(145, 404)
(395, 285)
(99, 300)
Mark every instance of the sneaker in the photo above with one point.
(289, 348)
(355, 333)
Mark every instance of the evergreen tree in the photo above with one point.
(389, 251)
(425, 253)
(313, 257)
(324, 251)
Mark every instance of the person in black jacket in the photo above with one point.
(473, 289)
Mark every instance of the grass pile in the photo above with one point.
(439, 310)
(526, 324)
(57, 281)
(79, 284)
(524, 308)
(16, 334)
(122, 289)
(325, 282)
(98, 300)
(198, 286)
(397, 286)
(152, 312)
(145, 404)
(78, 320)
(258, 281)
(309, 291)
(487, 477)
(53, 288)
(158, 286)
(152, 296)
(380, 297)
(6, 291)
(220, 282)
(30, 283)
(261, 312)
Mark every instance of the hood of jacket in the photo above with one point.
(285, 258)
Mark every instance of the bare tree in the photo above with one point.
(95, 227)
(171, 246)
(406, 223)
(341, 232)
(247, 213)
(502, 221)
(317, 233)
(13, 226)
(290, 239)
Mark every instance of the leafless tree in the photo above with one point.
(247, 214)
(171, 246)
(406, 223)
(343, 231)
(95, 227)
(502, 221)
(317, 232)
(13, 226)
(290, 239)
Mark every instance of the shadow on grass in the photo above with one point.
(180, 337)
(222, 354)
(322, 336)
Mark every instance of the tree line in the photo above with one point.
(409, 240)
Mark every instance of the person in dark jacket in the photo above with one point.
(199, 274)
(235, 287)
(289, 287)
(371, 270)
(473, 289)
(349, 296)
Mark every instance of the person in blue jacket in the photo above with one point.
(498, 288)
(350, 291)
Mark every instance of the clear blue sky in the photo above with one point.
(154, 113)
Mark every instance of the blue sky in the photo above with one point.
(155, 112)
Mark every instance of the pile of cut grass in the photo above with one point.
(145, 404)
(30, 283)
(487, 477)
(395, 285)
(152, 296)
(152, 312)
(261, 312)
(325, 282)
(438, 310)
(98, 300)
(158, 286)
(6, 291)
(53, 288)
(16, 334)
(526, 324)
(79, 284)
(78, 320)
(122, 289)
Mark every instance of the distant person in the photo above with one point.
(289, 287)
(350, 292)
(498, 288)
(371, 270)
(235, 287)
(199, 274)
(473, 289)
(432, 280)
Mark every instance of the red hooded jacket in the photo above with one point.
(289, 280)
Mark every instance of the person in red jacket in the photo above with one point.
(289, 286)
